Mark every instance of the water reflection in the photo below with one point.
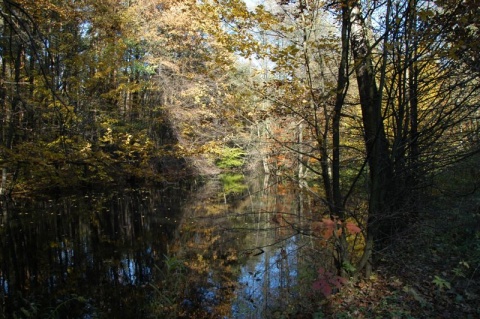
(85, 256)
(254, 247)
(216, 251)
(267, 282)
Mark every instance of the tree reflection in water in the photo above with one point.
(85, 256)
(257, 256)
(158, 253)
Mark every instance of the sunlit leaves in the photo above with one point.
(230, 157)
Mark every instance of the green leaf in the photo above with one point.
(441, 283)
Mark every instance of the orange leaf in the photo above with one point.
(325, 228)
(352, 228)
(328, 223)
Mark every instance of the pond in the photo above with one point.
(222, 249)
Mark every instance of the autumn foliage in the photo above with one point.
(328, 228)
(327, 282)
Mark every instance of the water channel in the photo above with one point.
(218, 250)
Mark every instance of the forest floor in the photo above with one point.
(431, 271)
(418, 282)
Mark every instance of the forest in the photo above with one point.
(369, 107)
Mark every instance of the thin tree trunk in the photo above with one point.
(338, 209)
(413, 100)
(3, 185)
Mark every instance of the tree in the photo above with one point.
(82, 68)
(85, 100)
(410, 105)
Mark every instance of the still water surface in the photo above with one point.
(145, 253)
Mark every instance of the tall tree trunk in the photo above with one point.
(413, 101)
(376, 143)
(4, 117)
(341, 90)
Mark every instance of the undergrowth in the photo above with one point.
(432, 270)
